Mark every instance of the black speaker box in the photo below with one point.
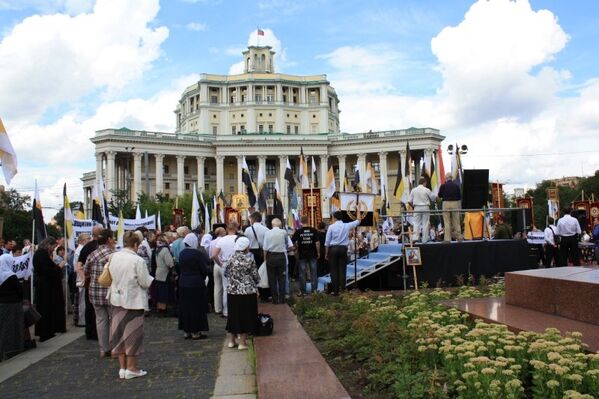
(475, 188)
(518, 222)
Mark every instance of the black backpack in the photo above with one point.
(265, 325)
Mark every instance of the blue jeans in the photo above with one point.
(302, 263)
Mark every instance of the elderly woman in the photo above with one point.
(241, 271)
(128, 295)
(193, 302)
(49, 295)
(97, 294)
(11, 309)
(164, 265)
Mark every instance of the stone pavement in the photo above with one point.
(177, 368)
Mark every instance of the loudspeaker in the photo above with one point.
(518, 223)
(475, 188)
(269, 219)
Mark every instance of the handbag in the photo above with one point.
(105, 279)
(31, 316)
(262, 272)
(265, 325)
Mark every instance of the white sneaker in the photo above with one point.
(132, 374)
(122, 373)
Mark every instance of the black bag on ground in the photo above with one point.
(31, 315)
(265, 325)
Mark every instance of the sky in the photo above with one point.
(516, 81)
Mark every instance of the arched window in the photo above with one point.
(263, 62)
(247, 65)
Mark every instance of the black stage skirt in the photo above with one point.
(193, 309)
(243, 313)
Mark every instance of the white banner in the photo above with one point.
(132, 224)
(348, 201)
(82, 226)
(23, 266)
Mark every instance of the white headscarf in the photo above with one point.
(6, 263)
(191, 240)
(242, 243)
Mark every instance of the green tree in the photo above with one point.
(120, 202)
(59, 217)
(17, 219)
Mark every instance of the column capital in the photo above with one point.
(137, 155)
(159, 157)
(402, 151)
(382, 154)
(262, 157)
(362, 156)
(110, 154)
(220, 158)
(181, 158)
(239, 158)
(283, 157)
(201, 158)
(99, 156)
(341, 157)
(324, 157)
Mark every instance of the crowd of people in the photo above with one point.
(179, 273)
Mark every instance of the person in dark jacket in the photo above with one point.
(11, 310)
(451, 195)
(193, 300)
(49, 296)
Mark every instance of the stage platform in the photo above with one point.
(444, 261)
(496, 310)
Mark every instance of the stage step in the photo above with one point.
(385, 255)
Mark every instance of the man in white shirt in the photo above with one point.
(217, 272)
(551, 247)
(255, 233)
(421, 199)
(275, 248)
(224, 249)
(336, 243)
(568, 229)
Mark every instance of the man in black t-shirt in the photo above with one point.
(307, 241)
(90, 314)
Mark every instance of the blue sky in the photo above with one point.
(514, 80)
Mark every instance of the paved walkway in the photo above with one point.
(177, 368)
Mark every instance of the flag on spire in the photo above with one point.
(8, 156)
(68, 220)
(38, 217)
(195, 209)
(247, 181)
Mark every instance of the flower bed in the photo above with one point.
(410, 346)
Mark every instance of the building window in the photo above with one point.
(187, 186)
(269, 99)
(232, 99)
(313, 99)
(165, 168)
(294, 99)
(260, 128)
(258, 98)
(296, 129)
(231, 176)
(260, 114)
(285, 99)
(213, 99)
(252, 169)
(270, 115)
(232, 129)
(231, 189)
(207, 187)
(242, 129)
(288, 129)
(270, 128)
(242, 99)
(271, 190)
(167, 186)
(214, 129)
(271, 169)
(186, 170)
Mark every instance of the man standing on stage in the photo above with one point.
(451, 195)
(336, 242)
(551, 247)
(568, 229)
(421, 199)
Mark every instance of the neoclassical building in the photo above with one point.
(262, 115)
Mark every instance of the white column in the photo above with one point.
(283, 182)
(279, 94)
(110, 183)
(200, 164)
(220, 182)
(180, 175)
(159, 172)
(323, 183)
(261, 164)
(99, 157)
(341, 159)
(324, 98)
(136, 175)
(240, 188)
(362, 169)
(383, 172)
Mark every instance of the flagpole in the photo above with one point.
(31, 251)
(64, 272)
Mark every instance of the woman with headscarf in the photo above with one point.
(49, 296)
(242, 273)
(162, 281)
(128, 294)
(193, 301)
(11, 309)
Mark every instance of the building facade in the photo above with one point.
(265, 116)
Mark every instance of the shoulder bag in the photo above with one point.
(105, 279)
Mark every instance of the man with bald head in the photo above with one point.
(275, 247)
(451, 195)
(90, 315)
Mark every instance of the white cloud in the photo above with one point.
(54, 59)
(196, 26)
(71, 7)
(499, 94)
